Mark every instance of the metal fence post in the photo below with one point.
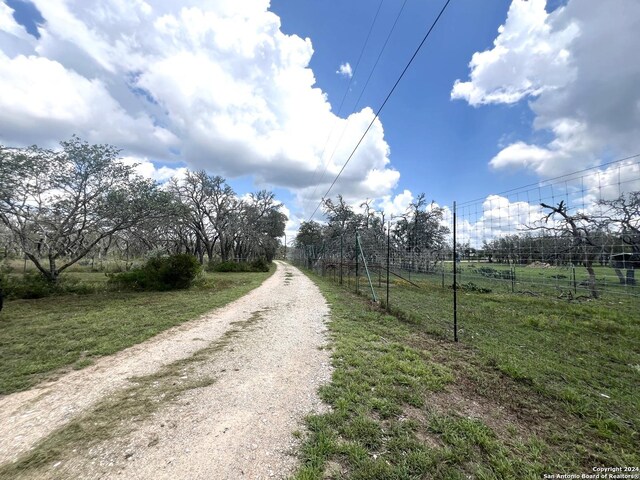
(455, 278)
(356, 262)
(388, 260)
(341, 259)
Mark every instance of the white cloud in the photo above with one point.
(394, 206)
(41, 93)
(576, 67)
(216, 85)
(528, 58)
(345, 70)
(608, 183)
(497, 216)
(520, 211)
(521, 154)
(147, 169)
(9, 27)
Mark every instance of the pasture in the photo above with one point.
(540, 382)
(42, 338)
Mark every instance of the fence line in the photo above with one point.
(575, 239)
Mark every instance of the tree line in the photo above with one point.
(418, 239)
(60, 206)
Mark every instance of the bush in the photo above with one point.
(28, 286)
(493, 273)
(160, 273)
(34, 285)
(259, 265)
(228, 266)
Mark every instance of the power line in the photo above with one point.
(355, 105)
(355, 70)
(549, 180)
(382, 106)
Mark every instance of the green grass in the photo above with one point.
(581, 354)
(116, 415)
(521, 395)
(548, 281)
(42, 338)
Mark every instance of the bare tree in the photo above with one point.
(624, 214)
(582, 230)
(209, 205)
(622, 219)
(60, 204)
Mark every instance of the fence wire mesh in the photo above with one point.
(575, 238)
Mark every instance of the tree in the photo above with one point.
(420, 233)
(258, 226)
(309, 239)
(209, 204)
(623, 214)
(60, 204)
(622, 219)
(580, 228)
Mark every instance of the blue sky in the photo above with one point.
(251, 91)
(441, 147)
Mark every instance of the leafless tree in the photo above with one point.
(581, 229)
(209, 205)
(60, 204)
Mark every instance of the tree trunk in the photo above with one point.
(53, 271)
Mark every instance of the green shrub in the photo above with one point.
(259, 265)
(228, 266)
(34, 285)
(493, 273)
(174, 272)
(28, 286)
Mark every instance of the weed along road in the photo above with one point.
(221, 397)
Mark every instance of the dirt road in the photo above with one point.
(265, 380)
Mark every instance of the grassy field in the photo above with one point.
(114, 417)
(537, 385)
(548, 280)
(42, 338)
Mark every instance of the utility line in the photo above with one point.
(382, 106)
(355, 70)
(355, 105)
(549, 180)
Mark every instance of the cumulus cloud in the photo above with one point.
(147, 169)
(397, 205)
(345, 70)
(575, 67)
(12, 35)
(496, 216)
(216, 85)
(520, 211)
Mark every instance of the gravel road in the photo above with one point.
(240, 426)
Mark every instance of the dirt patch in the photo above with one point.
(512, 409)
(420, 418)
(458, 400)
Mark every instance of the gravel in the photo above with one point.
(241, 426)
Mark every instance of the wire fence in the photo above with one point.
(575, 238)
